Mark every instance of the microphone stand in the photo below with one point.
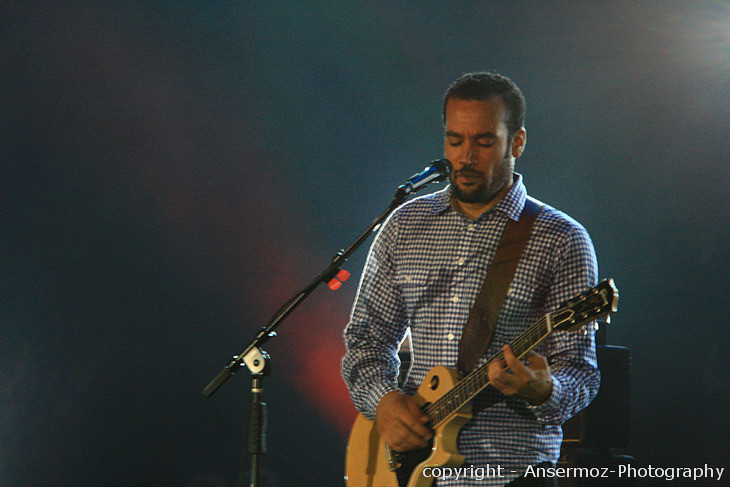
(258, 361)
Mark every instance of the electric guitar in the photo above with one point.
(447, 401)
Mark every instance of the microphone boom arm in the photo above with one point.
(437, 171)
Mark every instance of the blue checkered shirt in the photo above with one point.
(423, 273)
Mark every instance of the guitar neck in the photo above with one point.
(599, 301)
(477, 380)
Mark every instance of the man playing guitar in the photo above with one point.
(423, 273)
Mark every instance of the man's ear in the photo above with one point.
(519, 140)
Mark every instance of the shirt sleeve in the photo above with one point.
(571, 355)
(377, 326)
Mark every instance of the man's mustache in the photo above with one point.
(468, 170)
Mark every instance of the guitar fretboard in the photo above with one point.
(478, 379)
(599, 301)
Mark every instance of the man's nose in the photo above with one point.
(468, 158)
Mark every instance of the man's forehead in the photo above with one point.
(481, 116)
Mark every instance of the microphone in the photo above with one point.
(437, 171)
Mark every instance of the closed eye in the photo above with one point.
(486, 139)
(453, 140)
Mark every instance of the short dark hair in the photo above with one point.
(482, 86)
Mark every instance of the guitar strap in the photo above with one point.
(483, 315)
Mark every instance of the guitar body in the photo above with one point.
(367, 464)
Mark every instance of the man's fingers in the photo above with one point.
(533, 359)
(512, 377)
(536, 361)
(401, 422)
(421, 420)
(500, 377)
(509, 355)
(417, 429)
(414, 422)
(513, 362)
(407, 435)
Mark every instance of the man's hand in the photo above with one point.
(401, 423)
(531, 382)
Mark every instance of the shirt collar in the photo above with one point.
(511, 205)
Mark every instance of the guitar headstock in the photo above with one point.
(595, 303)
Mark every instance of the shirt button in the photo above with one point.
(460, 261)
(450, 336)
(454, 299)
(470, 227)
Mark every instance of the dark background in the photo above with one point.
(173, 171)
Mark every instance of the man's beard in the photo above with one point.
(481, 193)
